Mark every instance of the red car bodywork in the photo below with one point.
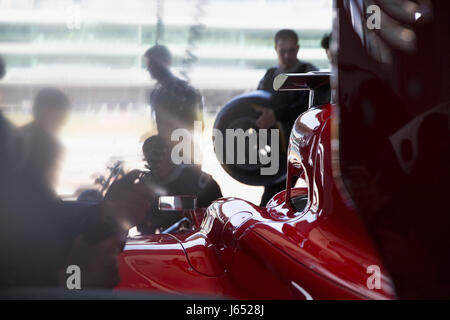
(376, 168)
(244, 251)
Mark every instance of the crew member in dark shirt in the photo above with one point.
(176, 104)
(286, 106)
(167, 178)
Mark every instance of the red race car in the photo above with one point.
(306, 244)
(372, 221)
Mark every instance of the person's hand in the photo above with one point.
(267, 118)
(127, 200)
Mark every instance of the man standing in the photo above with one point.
(41, 148)
(176, 103)
(286, 106)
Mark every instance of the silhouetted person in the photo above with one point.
(40, 145)
(167, 178)
(40, 235)
(175, 103)
(158, 60)
(287, 106)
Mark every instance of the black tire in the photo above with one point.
(240, 114)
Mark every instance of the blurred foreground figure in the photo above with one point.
(41, 148)
(41, 236)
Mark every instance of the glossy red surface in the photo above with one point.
(245, 251)
(379, 159)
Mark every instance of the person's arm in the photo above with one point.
(267, 118)
(266, 83)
